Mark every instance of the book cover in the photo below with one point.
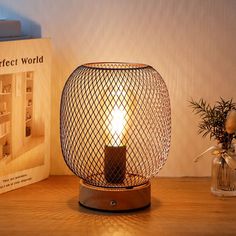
(24, 112)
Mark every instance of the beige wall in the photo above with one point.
(190, 42)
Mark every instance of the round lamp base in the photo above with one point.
(114, 199)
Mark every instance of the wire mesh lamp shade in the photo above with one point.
(115, 124)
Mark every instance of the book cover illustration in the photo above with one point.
(24, 112)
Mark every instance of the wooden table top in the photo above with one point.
(180, 206)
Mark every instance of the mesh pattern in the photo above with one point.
(120, 105)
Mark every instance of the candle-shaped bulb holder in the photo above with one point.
(115, 164)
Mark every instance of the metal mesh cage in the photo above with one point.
(115, 123)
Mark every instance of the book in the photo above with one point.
(10, 28)
(24, 112)
(15, 38)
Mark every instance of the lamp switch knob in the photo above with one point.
(113, 203)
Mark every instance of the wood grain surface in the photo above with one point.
(180, 206)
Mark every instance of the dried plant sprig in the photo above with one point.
(213, 119)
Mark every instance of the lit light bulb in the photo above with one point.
(117, 124)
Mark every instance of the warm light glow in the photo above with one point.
(117, 125)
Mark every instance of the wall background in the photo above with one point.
(190, 42)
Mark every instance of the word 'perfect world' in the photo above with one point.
(22, 61)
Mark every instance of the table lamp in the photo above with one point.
(115, 125)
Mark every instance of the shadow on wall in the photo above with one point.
(28, 26)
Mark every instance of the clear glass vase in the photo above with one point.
(223, 178)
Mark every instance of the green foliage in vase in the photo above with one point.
(213, 119)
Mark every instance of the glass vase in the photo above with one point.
(223, 178)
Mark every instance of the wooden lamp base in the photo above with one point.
(115, 199)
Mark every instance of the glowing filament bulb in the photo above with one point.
(117, 124)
